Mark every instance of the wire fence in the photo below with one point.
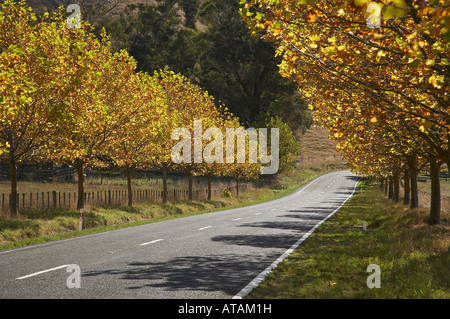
(107, 187)
(102, 198)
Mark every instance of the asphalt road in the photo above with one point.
(214, 255)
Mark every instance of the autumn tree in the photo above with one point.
(98, 87)
(214, 146)
(193, 111)
(32, 86)
(232, 153)
(144, 131)
(289, 146)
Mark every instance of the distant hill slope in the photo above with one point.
(52, 5)
(317, 149)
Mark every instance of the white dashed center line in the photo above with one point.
(151, 242)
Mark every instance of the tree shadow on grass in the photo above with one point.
(440, 264)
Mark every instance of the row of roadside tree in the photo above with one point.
(66, 98)
(377, 73)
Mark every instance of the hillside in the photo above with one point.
(317, 149)
(112, 6)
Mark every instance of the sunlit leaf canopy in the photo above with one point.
(373, 71)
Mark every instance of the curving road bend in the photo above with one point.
(217, 255)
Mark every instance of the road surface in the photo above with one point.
(214, 255)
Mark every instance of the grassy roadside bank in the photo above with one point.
(414, 258)
(38, 226)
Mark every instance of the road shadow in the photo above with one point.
(337, 202)
(297, 226)
(312, 213)
(305, 215)
(259, 241)
(347, 194)
(315, 211)
(352, 178)
(226, 273)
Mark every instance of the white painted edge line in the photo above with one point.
(203, 228)
(258, 279)
(41, 272)
(151, 242)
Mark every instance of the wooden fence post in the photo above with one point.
(54, 199)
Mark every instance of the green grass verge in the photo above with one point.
(38, 226)
(414, 257)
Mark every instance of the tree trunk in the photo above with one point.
(391, 188)
(128, 171)
(164, 180)
(80, 203)
(407, 190)
(13, 171)
(396, 181)
(237, 186)
(209, 185)
(412, 165)
(414, 191)
(435, 207)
